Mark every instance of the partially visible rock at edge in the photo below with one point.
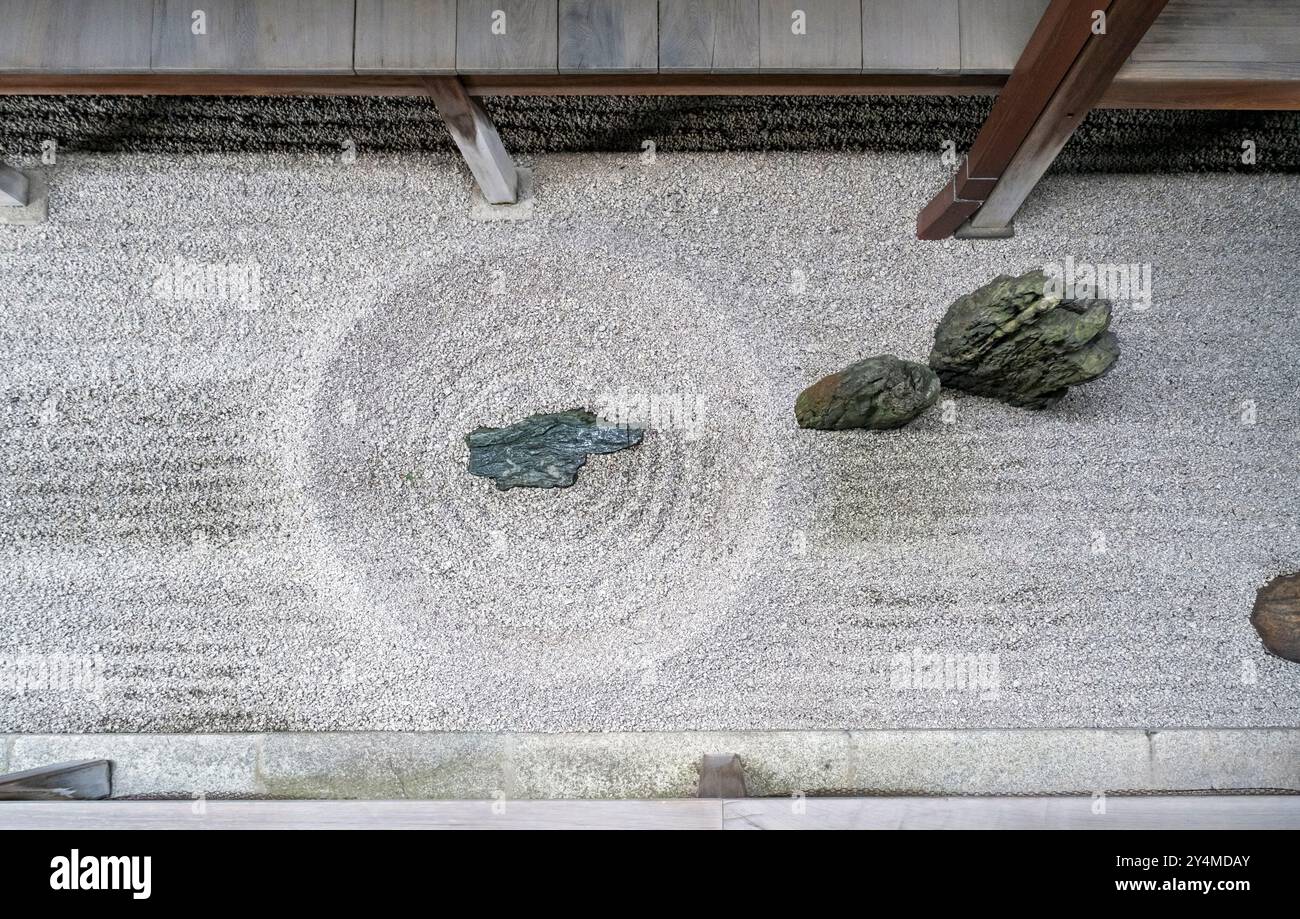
(1276, 616)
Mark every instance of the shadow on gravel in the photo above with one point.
(1108, 141)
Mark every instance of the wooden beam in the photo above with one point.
(477, 138)
(1056, 42)
(1060, 36)
(1276, 90)
(1217, 93)
(210, 84)
(1064, 72)
(1081, 89)
(85, 780)
(14, 187)
(1222, 94)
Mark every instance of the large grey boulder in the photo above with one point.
(1015, 340)
(877, 392)
(544, 451)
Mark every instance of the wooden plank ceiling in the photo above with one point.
(1220, 39)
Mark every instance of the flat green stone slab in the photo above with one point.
(546, 450)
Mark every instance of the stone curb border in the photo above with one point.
(1022, 812)
(462, 766)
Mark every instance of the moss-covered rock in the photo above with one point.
(1016, 341)
(877, 392)
(544, 451)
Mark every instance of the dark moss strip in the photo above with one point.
(1109, 141)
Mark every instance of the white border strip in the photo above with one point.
(1180, 812)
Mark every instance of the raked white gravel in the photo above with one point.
(250, 511)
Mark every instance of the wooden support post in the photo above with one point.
(1078, 93)
(86, 780)
(1055, 43)
(1069, 61)
(15, 190)
(477, 138)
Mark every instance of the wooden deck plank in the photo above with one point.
(609, 36)
(714, 36)
(507, 36)
(255, 36)
(911, 36)
(810, 35)
(1135, 73)
(71, 36)
(994, 32)
(405, 36)
(1211, 39)
(1224, 31)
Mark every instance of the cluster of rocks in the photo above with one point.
(1013, 339)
